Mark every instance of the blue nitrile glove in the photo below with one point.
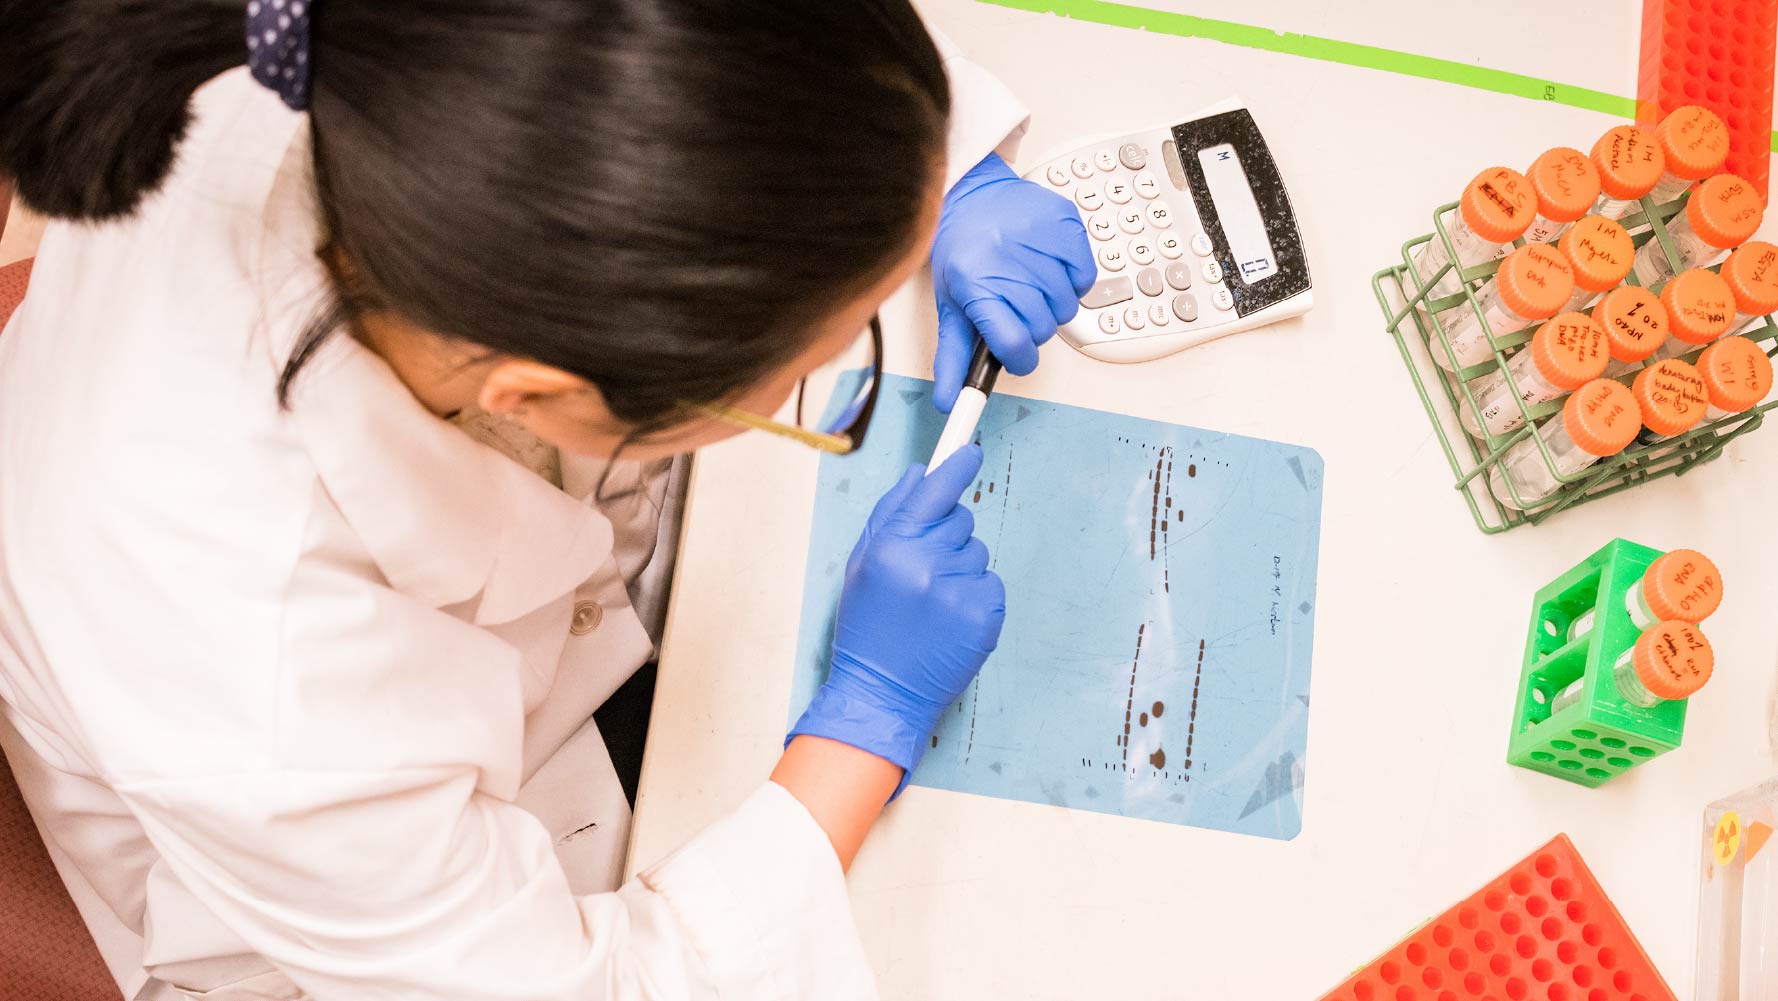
(918, 615)
(1010, 262)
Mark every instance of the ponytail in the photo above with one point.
(94, 95)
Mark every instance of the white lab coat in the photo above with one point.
(301, 699)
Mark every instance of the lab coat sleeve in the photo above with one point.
(985, 116)
(388, 862)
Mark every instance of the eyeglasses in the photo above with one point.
(838, 428)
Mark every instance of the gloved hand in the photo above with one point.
(1010, 262)
(918, 615)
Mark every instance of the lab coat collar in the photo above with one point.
(447, 519)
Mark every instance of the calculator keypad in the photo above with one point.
(1140, 240)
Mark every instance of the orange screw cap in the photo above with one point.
(1752, 274)
(1629, 160)
(1635, 322)
(1725, 211)
(1602, 417)
(1569, 351)
(1700, 306)
(1673, 660)
(1566, 184)
(1694, 141)
(1498, 204)
(1535, 281)
(1670, 395)
(1600, 252)
(1683, 585)
(1737, 374)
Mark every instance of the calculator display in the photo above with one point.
(1235, 206)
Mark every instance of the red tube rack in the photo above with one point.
(1718, 54)
(1541, 931)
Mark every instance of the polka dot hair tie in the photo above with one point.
(278, 48)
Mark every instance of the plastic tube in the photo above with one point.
(1635, 325)
(1670, 661)
(1752, 273)
(1630, 164)
(1567, 187)
(1565, 354)
(1494, 209)
(1721, 215)
(1531, 285)
(1699, 307)
(1682, 585)
(1737, 376)
(1600, 253)
(1695, 143)
(1598, 420)
(1670, 395)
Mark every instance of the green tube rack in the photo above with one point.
(1601, 736)
(1412, 319)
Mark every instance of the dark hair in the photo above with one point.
(654, 195)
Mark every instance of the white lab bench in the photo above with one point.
(1421, 621)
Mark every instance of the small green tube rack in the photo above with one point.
(1601, 736)
(1412, 319)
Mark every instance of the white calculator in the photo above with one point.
(1193, 234)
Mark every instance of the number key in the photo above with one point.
(1088, 199)
(1146, 185)
(1101, 227)
(1111, 259)
(1170, 246)
(1141, 250)
(1159, 215)
(1117, 191)
(1130, 219)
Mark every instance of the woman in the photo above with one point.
(326, 439)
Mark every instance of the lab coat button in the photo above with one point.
(587, 616)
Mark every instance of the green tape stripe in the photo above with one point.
(1334, 51)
